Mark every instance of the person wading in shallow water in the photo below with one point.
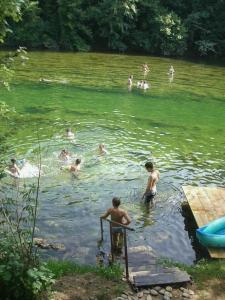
(120, 216)
(151, 190)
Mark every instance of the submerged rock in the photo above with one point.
(44, 244)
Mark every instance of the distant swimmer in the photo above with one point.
(75, 167)
(13, 168)
(145, 86)
(145, 69)
(102, 149)
(171, 70)
(44, 80)
(69, 134)
(151, 190)
(130, 82)
(64, 155)
(140, 84)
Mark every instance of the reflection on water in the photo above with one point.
(180, 130)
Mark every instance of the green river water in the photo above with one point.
(179, 125)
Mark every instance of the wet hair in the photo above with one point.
(78, 161)
(116, 201)
(13, 160)
(149, 165)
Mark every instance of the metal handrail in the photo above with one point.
(125, 228)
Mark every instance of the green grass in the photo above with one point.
(61, 268)
(202, 271)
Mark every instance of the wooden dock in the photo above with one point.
(145, 270)
(207, 204)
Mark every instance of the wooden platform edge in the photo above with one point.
(205, 211)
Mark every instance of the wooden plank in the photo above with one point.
(207, 204)
(173, 277)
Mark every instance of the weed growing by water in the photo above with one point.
(60, 268)
(202, 271)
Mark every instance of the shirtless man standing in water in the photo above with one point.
(117, 215)
(150, 190)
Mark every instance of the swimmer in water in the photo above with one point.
(145, 69)
(130, 82)
(64, 155)
(13, 168)
(150, 191)
(139, 84)
(171, 70)
(69, 134)
(145, 86)
(102, 150)
(75, 167)
(171, 74)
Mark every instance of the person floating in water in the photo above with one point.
(120, 216)
(69, 134)
(64, 155)
(145, 69)
(130, 82)
(102, 149)
(151, 190)
(13, 168)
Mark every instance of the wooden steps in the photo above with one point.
(144, 269)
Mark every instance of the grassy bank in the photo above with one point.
(203, 271)
(62, 268)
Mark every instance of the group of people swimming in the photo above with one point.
(69, 162)
(118, 216)
(121, 217)
(143, 84)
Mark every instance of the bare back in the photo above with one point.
(152, 180)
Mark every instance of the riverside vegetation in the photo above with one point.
(156, 27)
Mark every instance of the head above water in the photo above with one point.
(78, 161)
(149, 166)
(101, 146)
(13, 161)
(116, 202)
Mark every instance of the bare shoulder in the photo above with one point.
(123, 211)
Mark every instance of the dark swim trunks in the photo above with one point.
(117, 230)
(149, 197)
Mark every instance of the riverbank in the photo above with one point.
(96, 283)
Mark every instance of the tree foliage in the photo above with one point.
(164, 27)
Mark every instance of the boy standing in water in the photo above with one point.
(151, 190)
(117, 215)
(13, 168)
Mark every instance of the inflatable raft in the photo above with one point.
(213, 234)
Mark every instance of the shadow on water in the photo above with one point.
(190, 227)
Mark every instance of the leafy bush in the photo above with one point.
(22, 276)
(19, 278)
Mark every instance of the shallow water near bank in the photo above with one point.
(178, 125)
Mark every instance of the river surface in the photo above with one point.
(178, 124)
